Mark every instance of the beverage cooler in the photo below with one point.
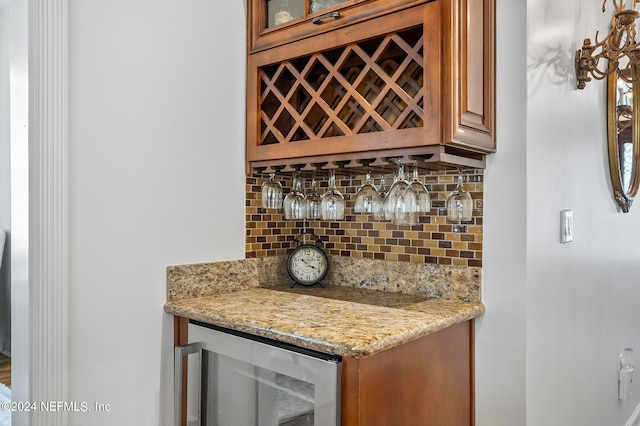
(236, 379)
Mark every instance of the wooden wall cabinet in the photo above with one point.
(385, 78)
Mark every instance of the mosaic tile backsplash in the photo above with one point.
(433, 240)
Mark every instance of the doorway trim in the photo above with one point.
(39, 163)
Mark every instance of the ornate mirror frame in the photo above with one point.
(623, 119)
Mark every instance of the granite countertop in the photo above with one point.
(340, 320)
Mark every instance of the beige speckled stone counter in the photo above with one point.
(337, 319)
(441, 281)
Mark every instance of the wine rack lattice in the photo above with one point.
(374, 85)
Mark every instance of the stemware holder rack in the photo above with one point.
(427, 159)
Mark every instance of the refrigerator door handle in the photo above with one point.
(179, 354)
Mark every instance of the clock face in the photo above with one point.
(307, 264)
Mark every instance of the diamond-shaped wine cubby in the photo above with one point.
(370, 86)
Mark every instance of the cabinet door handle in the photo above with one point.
(321, 18)
(180, 351)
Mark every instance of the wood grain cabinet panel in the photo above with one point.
(385, 76)
(428, 381)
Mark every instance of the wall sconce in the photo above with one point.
(618, 45)
(621, 53)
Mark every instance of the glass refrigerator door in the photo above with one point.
(269, 398)
(240, 381)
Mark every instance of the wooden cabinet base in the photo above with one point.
(428, 381)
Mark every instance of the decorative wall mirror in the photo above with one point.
(623, 109)
(617, 58)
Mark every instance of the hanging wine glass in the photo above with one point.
(382, 193)
(295, 203)
(400, 202)
(332, 201)
(423, 200)
(389, 213)
(459, 203)
(406, 208)
(313, 200)
(271, 193)
(367, 198)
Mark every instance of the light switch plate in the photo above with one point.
(566, 226)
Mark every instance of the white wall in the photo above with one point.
(557, 315)
(583, 298)
(500, 333)
(156, 178)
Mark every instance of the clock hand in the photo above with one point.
(306, 263)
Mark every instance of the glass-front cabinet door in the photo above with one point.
(277, 22)
(282, 11)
